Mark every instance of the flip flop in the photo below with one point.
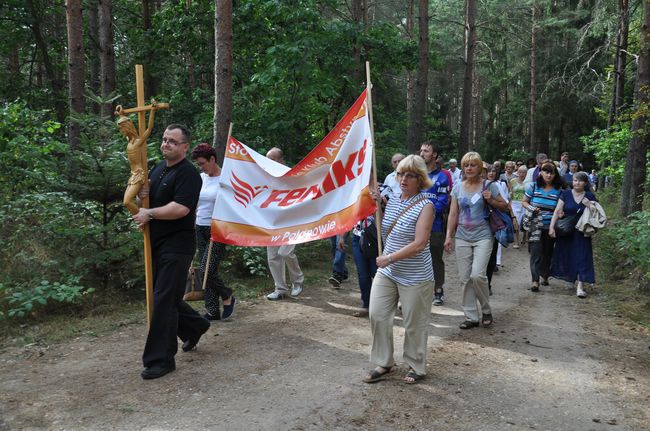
(376, 375)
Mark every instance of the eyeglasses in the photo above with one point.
(172, 142)
(407, 175)
(548, 171)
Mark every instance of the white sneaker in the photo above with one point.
(296, 289)
(274, 296)
(580, 293)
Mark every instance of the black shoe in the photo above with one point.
(191, 342)
(335, 280)
(544, 282)
(439, 298)
(209, 316)
(158, 370)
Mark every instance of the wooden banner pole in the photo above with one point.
(374, 183)
(207, 263)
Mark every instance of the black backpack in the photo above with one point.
(368, 241)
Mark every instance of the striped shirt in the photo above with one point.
(413, 270)
(546, 201)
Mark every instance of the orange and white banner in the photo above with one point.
(264, 203)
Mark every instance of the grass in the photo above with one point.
(108, 311)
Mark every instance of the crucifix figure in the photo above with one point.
(136, 151)
(137, 157)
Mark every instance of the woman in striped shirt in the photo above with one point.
(405, 274)
(541, 196)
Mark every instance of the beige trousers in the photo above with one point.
(416, 312)
(278, 258)
(472, 259)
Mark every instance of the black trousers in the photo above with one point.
(541, 255)
(215, 287)
(171, 316)
(492, 263)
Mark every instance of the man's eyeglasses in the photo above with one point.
(171, 142)
(407, 175)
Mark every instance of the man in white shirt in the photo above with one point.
(455, 172)
(391, 185)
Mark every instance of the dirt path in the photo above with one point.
(550, 362)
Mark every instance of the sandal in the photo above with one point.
(363, 312)
(412, 377)
(379, 373)
(468, 324)
(487, 320)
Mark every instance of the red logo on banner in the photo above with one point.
(244, 192)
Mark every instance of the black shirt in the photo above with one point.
(180, 183)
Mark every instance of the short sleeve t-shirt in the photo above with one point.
(546, 201)
(207, 198)
(472, 224)
(179, 183)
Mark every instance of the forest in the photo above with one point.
(506, 78)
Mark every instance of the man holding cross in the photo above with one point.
(174, 193)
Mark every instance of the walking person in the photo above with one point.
(473, 238)
(517, 189)
(438, 193)
(365, 262)
(205, 158)
(573, 258)
(174, 193)
(541, 198)
(405, 274)
(283, 257)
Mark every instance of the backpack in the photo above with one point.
(368, 241)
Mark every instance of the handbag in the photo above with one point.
(567, 225)
(500, 223)
(193, 288)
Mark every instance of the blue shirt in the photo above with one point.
(438, 193)
(546, 201)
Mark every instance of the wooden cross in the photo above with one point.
(143, 133)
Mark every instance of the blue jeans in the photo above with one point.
(339, 266)
(366, 269)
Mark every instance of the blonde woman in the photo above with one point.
(473, 237)
(405, 274)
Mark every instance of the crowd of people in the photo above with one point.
(427, 210)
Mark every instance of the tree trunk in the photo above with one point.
(150, 83)
(532, 144)
(415, 133)
(222, 75)
(74, 22)
(357, 18)
(109, 82)
(94, 53)
(50, 71)
(470, 45)
(410, 87)
(635, 165)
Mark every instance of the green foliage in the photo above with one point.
(243, 261)
(21, 300)
(29, 149)
(632, 238)
(610, 146)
